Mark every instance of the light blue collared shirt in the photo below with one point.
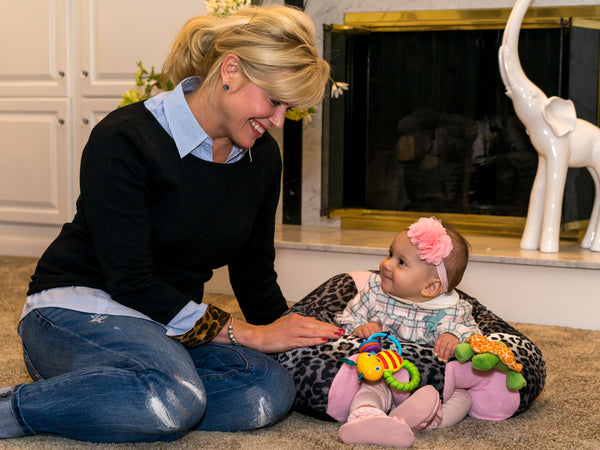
(173, 113)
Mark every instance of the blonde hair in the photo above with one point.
(275, 45)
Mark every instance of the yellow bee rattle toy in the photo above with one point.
(373, 363)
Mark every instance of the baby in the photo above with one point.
(413, 299)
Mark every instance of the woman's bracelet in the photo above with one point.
(232, 338)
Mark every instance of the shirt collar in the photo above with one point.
(442, 301)
(186, 131)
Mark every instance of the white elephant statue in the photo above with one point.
(561, 140)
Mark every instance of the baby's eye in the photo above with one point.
(401, 262)
(389, 253)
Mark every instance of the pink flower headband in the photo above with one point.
(433, 244)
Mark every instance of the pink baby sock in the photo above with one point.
(370, 425)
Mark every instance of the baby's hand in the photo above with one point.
(366, 330)
(444, 346)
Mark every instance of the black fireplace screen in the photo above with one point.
(426, 125)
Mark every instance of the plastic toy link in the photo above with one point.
(373, 363)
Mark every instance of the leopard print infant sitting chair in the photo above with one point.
(314, 368)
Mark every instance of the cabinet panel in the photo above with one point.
(115, 34)
(33, 52)
(35, 176)
(93, 110)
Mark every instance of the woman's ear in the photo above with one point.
(432, 288)
(230, 69)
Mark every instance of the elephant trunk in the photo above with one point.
(511, 71)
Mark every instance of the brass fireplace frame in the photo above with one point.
(470, 19)
(467, 19)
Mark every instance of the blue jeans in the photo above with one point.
(106, 378)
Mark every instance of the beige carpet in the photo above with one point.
(565, 416)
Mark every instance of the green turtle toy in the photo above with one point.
(486, 355)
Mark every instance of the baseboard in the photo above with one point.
(25, 239)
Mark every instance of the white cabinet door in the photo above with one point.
(93, 110)
(35, 167)
(64, 64)
(33, 48)
(115, 34)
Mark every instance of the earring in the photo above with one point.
(226, 87)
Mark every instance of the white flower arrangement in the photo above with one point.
(338, 88)
(225, 7)
(152, 81)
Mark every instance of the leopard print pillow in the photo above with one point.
(314, 368)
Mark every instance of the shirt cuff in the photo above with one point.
(186, 318)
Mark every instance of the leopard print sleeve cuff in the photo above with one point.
(206, 328)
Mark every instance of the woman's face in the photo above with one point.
(249, 111)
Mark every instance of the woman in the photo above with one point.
(114, 330)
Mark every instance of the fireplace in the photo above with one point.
(426, 127)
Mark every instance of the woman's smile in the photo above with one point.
(257, 127)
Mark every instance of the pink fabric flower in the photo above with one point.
(432, 241)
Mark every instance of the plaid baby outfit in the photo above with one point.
(414, 322)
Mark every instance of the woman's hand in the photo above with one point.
(284, 334)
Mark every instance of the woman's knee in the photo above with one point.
(173, 404)
(154, 405)
(247, 390)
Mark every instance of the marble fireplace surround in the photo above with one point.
(326, 12)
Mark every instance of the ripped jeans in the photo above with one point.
(103, 378)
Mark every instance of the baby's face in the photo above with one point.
(403, 273)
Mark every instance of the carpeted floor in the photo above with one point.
(565, 416)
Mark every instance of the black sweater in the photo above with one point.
(150, 226)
